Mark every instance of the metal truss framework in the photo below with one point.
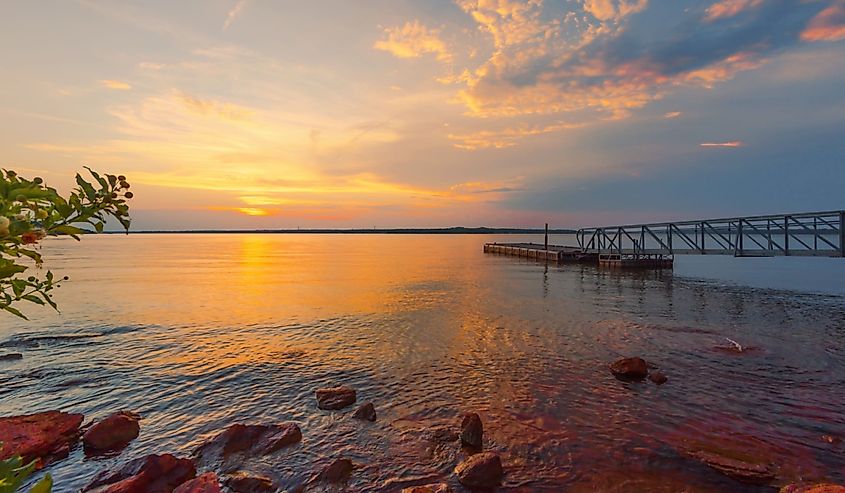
(820, 234)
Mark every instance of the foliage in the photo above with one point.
(13, 473)
(31, 211)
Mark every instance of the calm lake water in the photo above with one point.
(196, 332)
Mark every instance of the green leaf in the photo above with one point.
(86, 187)
(10, 269)
(67, 229)
(15, 311)
(34, 299)
(43, 486)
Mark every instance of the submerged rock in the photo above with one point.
(244, 482)
(471, 430)
(112, 433)
(43, 436)
(339, 470)
(816, 488)
(442, 434)
(248, 439)
(429, 488)
(150, 474)
(11, 356)
(480, 471)
(366, 412)
(335, 398)
(629, 368)
(658, 377)
(206, 483)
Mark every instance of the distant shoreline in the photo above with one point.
(457, 230)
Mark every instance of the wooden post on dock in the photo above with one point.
(546, 243)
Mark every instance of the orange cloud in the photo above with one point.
(115, 84)
(508, 137)
(732, 143)
(413, 40)
(729, 8)
(672, 114)
(613, 10)
(827, 25)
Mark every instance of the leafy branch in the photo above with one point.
(31, 211)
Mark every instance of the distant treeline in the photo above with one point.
(402, 231)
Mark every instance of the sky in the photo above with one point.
(397, 113)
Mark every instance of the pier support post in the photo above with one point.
(546, 243)
(842, 233)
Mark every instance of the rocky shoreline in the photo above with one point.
(221, 463)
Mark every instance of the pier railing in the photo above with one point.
(820, 234)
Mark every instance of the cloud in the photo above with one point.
(507, 137)
(828, 25)
(672, 114)
(613, 10)
(115, 84)
(729, 8)
(732, 143)
(546, 62)
(413, 40)
(234, 12)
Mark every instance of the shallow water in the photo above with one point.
(196, 332)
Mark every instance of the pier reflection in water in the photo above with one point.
(196, 332)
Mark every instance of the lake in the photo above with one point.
(196, 332)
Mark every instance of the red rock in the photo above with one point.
(243, 482)
(658, 377)
(629, 369)
(366, 412)
(429, 488)
(816, 488)
(337, 471)
(249, 439)
(150, 474)
(112, 433)
(480, 471)
(206, 483)
(335, 398)
(471, 430)
(45, 436)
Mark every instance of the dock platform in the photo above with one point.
(571, 254)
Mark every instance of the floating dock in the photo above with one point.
(575, 255)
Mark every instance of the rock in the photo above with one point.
(658, 377)
(471, 430)
(832, 440)
(243, 482)
(112, 433)
(337, 471)
(442, 434)
(629, 369)
(816, 488)
(747, 471)
(150, 474)
(429, 488)
(335, 398)
(367, 412)
(11, 356)
(480, 471)
(248, 439)
(207, 483)
(44, 436)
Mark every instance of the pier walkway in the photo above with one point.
(654, 245)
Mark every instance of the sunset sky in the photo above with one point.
(388, 113)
